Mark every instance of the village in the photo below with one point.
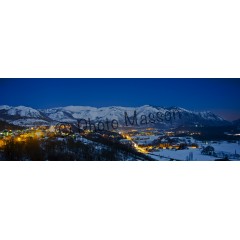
(165, 145)
(158, 144)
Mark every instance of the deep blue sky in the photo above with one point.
(218, 95)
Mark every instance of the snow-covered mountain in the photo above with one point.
(27, 116)
(22, 116)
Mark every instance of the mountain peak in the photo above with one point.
(4, 107)
(22, 115)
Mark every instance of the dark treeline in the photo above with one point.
(212, 133)
(116, 146)
(67, 150)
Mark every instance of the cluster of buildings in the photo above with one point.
(153, 139)
(143, 140)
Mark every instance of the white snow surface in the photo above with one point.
(21, 111)
(29, 122)
(4, 107)
(197, 156)
(112, 112)
(71, 113)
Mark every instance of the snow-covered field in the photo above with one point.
(230, 148)
(226, 147)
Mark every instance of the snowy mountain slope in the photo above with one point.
(28, 116)
(20, 111)
(22, 116)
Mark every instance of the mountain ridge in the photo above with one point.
(27, 116)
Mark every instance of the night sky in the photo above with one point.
(218, 95)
